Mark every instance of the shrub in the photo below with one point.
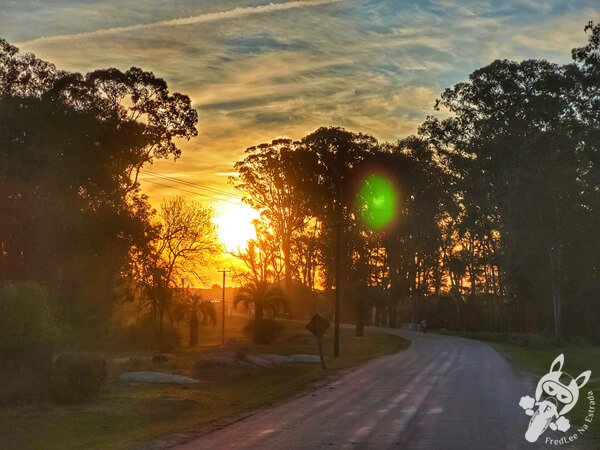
(76, 376)
(263, 331)
(141, 335)
(21, 385)
(28, 333)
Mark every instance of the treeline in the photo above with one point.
(497, 212)
(73, 219)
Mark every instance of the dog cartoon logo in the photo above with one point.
(555, 395)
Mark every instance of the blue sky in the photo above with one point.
(257, 70)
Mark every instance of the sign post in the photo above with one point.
(318, 325)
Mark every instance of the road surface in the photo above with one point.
(442, 392)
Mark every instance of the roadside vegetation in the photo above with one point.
(125, 415)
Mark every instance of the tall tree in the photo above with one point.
(186, 241)
(518, 139)
(71, 146)
(269, 176)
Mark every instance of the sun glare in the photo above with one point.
(234, 225)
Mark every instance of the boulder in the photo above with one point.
(155, 377)
(256, 360)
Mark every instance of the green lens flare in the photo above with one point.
(377, 202)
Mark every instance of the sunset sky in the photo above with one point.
(257, 70)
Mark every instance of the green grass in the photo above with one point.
(123, 416)
(533, 354)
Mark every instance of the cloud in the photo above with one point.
(374, 66)
(191, 20)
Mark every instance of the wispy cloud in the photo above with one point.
(191, 20)
(255, 73)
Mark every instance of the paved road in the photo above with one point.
(441, 393)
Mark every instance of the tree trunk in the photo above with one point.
(161, 315)
(258, 311)
(193, 332)
(554, 255)
(360, 316)
(287, 265)
(392, 310)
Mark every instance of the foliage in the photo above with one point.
(28, 332)
(142, 335)
(184, 241)
(261, 296)
(270, 177)
(263, 331)
(75, 377)
(71, 147)
(521, 141)
(496, 204)
(22, 385)
(262, 257)
(197, 311)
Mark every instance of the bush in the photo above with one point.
(21, 385)
(142, 336)
(263, 331)
(76, 376)
(28, 333)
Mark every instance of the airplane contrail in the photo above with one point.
(200, 18)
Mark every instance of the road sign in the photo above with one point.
(318, 325)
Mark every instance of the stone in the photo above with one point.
(256, 360)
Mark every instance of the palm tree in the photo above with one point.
(263, 296)
(196, 308)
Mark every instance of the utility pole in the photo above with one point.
(338, 296)
(223, 271)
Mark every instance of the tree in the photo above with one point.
(269, 176)
(262, 257)
(521, 143)
(199, 312)
(329, 186)
(262, 297)
(71, 146)
(186, 240)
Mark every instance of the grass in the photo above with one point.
(533, 354)
(126, 416)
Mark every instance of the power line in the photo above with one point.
(189, 183)
(191, 192)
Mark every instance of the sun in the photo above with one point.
(234, 225)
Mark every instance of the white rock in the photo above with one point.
(256, 360)
(156, 377)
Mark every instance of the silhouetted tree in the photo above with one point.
(261, 296)
(269, 177)
(186, 240)
(71, 147)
